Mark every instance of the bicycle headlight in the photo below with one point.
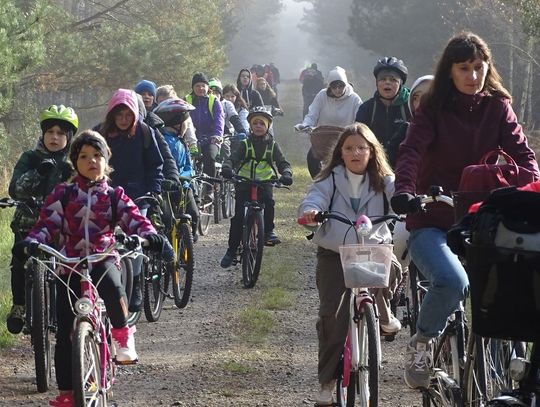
(518, 368)
(83, 306)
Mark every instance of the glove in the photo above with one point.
(241, 136)
(169, 185)
(299, 127)
(286, 180)
(46, 166)
(227, 172)
(194, 150)
(155, 242)
(405, 203)
(22, 250)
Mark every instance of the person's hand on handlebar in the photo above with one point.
(309, 217)
(300, 127)
(406, 203)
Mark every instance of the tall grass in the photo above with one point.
(6, 242)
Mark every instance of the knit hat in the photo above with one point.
(89, 138)
(145, 85)
(198, 78)
(260, 117)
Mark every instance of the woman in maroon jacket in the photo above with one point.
(466, 113)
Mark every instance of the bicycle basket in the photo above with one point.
(323, 139)
(366, 265)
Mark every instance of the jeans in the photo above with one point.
(448, 282)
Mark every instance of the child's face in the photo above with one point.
(356, 153)
(124, 119)
(258, 127)
(419, 91)
(230, 96)
(90, 163)
(245, 78)
(55, 139)
(148, 99)
(337, 88)
(388, 86)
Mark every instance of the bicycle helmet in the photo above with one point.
(173, 111)
(62, 113)
(215, 84)
(259, 111)
(393, 64)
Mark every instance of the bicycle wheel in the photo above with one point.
(252, 247)
(227, 201)
(217, 203)
(155, 272)
(363, 387)
(205, 214)
(127, 281)
(413, 304)
(182, 268)
(41, 330)
(86, 373)
(486, 369)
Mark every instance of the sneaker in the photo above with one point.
(15, 319)
(123, 342)
(418, 363)
(63, 400)
(325, 396)
(391, 327)
(228, 259)
(195, 237)
(271, 239)
(135, 302)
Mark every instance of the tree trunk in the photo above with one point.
(525, 96)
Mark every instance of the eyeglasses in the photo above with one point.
(339, 85)
(356, 149)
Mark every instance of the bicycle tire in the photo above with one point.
(154, 282)
(486, 369)
(217, 203)
(127, 280)
(182, 268)
(363, 388)
(227, 202)
(41, 332)
(86, 364)
(205, 214)
(414, 303)
(252, 247)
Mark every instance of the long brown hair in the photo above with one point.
(465, 46)
(377, 167)
(239, 102)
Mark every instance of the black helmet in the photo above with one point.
(260, 111)
(393, 64)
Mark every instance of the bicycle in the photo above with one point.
(358, 373)
(40, 298)
(179, 234)
(250, 250)
(93, 360)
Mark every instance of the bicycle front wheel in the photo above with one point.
(227, 202)
(206, 211)
(41, 329)
(182, 269)
(217, 203)
(155, 272)
(86, 371)
(252, 247)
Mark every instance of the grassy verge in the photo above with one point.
(6, 338)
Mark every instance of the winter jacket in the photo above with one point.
(232, 119)
(326, 110)
(137, 163)
(180, 154)
(332, 233)
(250, 95)
(436, 150)
(82, 224)
(239, 155)
(26, 183)
(386, 121)
(207, 124)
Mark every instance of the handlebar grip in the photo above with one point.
(319, 217)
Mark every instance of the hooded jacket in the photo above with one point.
(84, 226)
(332, 233)
(138, 169)
(250, 95)
(436, 150)
(326, 110)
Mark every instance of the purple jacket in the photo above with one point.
(207, 124)
(435, 151)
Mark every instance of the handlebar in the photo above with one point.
(238, 179)
(321, 216)
(31, 203)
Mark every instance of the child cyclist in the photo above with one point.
(78, 220)
(35, 175)
(255, 158)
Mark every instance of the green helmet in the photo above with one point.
(60, 112)
(215, 84)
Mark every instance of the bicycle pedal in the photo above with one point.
(126, 362)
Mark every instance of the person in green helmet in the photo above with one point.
(35, 175)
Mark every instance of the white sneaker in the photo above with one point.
(418, 363)
(392, 326)
(123, 342)
(325, 397)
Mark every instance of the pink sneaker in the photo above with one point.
(123, 342)
(63, 400)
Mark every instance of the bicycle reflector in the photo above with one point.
(83, 306)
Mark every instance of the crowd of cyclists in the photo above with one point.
(394, 146)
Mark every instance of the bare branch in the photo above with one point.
(99, 14)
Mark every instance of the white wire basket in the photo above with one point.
(366, 265)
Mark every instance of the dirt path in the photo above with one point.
(199, 356)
